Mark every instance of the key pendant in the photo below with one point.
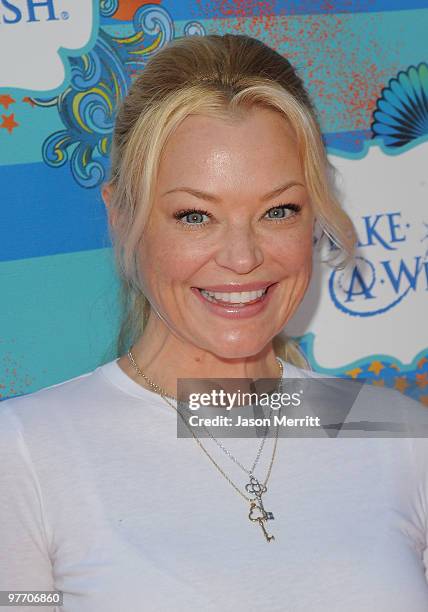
(257, 512)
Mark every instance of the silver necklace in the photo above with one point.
(250, 471)
(254, 486)
(161, 392)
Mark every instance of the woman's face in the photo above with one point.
(231, 217)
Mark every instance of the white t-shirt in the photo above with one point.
(99, 499)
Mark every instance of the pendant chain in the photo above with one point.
(162, 393)
(250, 472)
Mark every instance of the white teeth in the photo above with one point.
(234, 297)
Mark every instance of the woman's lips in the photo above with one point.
(237, 311)
(238, 287)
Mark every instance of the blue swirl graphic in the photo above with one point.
(108, 7)
(155, 21)
(99, 81)
(194, 28)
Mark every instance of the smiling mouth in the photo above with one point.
(235, 298)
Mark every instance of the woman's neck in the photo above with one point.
(164, 358)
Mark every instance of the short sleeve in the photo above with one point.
(24, 558)
(416, 419)
(419, 448)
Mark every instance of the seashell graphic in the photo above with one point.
(401, 113)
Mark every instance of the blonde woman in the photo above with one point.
(219, 181)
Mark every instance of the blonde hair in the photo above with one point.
(220, 76)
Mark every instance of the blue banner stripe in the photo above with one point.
(46, 212)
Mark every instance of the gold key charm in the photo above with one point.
(257, 489)
(257, 514)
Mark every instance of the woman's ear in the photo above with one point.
(107, 193)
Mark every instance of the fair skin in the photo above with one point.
(240, 233)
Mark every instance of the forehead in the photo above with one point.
(257, 149)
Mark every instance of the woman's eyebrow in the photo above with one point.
(278, 190)
(203, 195)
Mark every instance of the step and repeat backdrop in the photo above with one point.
(65, 65)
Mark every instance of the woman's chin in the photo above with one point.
(238, 350)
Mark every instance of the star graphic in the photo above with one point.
(9, 122)
(376, 367)
(6, 100)
(424, 399)
(422, 380)
(400, 383)
(378, 383)
(354, 373)
(28, 100)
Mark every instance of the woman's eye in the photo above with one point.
(283, 211)
(197, 218)
(191, 217)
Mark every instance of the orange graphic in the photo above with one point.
(421, 362)
(28, 100)
(400, 383)
(376, 367)
(422, 380)
(126, 10)
(354, 373)
(6, 100)
(9, 122)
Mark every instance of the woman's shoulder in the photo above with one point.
(48, 405)
(293, 371)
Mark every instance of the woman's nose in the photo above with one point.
(239, 250)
